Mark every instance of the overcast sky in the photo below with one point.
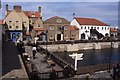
(104, 11)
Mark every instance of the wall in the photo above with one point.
(20, 17)
(83, 30)
(80, 46)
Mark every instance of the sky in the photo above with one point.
(104, 11)
(60, 0)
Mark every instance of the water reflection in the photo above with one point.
(93, 57)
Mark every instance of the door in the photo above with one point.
(83, 36)
(58, 37)
(13, 37)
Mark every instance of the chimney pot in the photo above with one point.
(39, 9)
(17, 8)
(7, 7)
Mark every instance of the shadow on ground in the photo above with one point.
(10, 59)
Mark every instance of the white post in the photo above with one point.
(76, 57)
(61, 36)
(76, 62)
(36, 38)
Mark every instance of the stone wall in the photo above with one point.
(80, 46)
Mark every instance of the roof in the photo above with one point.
(72, 28)
(113, 30)
(31, 13)
(1, 21)
(27, 33)
(90, 21)
(39, 29)
(55, 18)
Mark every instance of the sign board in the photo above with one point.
(76, 57)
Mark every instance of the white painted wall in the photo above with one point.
(104, 31)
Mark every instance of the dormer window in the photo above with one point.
(33, 15)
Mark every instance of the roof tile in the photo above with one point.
(90, 21)
(31, 13)
(39, 29)
(73, 28)
(113, 29)
(1, 21)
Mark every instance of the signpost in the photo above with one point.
(76, 57)
(36, 38)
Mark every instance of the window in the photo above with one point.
(81, 27)
(10, 27)
(94, 27)
(38, 25)
(105, 28)
(16, 27)
(16, 21)
(102, 28)
(108, 28)
(51, 28)
(10, 21)
(65, 28)
(88, 27)
(29, 21)
(98, 28)
(51, 35)
(59, 20)
(33, 15)
(65, 36)
(91, 27)
(24, 22)
(85, 27)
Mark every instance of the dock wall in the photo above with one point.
(80, 46)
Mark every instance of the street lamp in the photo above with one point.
(110, 57)
(46, 39)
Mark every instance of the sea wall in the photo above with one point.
(80, 46)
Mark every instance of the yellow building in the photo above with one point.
(20, 23)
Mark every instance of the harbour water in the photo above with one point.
(92, 57)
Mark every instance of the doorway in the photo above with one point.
(83, 36)
(58, 37)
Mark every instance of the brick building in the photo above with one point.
(59, 29)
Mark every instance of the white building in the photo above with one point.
(88, 26)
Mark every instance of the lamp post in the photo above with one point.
(76, 57)
(110, 57)
(46, 39)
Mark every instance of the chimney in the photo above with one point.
(7, 7)
(17, 8)
(39, 9)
